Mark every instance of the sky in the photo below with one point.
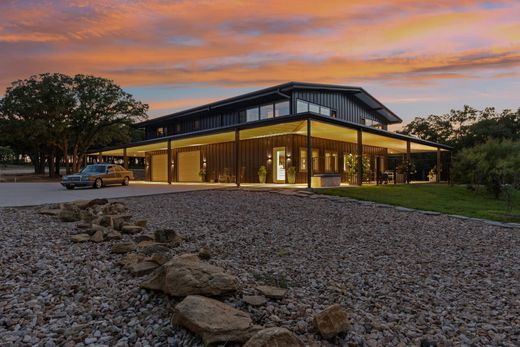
(417, 57)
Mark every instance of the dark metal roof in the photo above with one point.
(264, 122)
(358, 92)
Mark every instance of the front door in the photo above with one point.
(279, 165)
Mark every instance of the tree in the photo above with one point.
(493, 164)
(54, 113)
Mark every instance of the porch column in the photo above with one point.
(309, 155)
(376, 168)
(438, 173)
(237, 157)
(169, 159)
(125, 159)
(408, 161)
(359, 161)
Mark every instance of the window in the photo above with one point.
(314, 108)
(252, 114)
(333, 113)
(303, 160)
(241, 116)
(315, 160)
(325, 111)
(331, 161)
(371, 123)
(281, 109)
(266, 111)
(160, 132)
(302, 106)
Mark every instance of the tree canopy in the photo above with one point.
(49, 114)
(467, 127)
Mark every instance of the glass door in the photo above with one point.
(279, 165)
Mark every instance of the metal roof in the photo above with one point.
(358, 92)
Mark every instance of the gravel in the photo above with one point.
(402, 276)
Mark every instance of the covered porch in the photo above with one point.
(304, 151)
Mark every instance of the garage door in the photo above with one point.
(160, 168)
(189, 166)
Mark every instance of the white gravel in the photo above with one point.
(402, 276)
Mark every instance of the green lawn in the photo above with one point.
(434, 197)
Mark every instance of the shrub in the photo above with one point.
(493, 164)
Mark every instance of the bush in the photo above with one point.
(493, 164)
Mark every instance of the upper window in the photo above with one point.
(371, 123)
(266, 111)
(252, 114)
(302, 106)
(281, 109)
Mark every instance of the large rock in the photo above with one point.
(332, 321)
(254, 300)
(167, 236)
(97, 237)
(150, 247)
(130, 259)
(143, 268)
(70, 215)
(131, 229)
(91, 203)
(50, 211)
(123, 247)
(80, 238)
(187, 275)
(114, 208)
(213, 320)
(272, 292)
(274, 337)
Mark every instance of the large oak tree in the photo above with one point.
(53, 113)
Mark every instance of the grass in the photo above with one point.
(435, 197)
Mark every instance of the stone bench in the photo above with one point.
(325, 180)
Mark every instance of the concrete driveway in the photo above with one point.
(30, 194)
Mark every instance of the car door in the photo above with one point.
(111, 175)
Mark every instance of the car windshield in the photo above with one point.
(93, 169)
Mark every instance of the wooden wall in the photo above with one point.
(220, 158)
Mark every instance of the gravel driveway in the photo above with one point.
(402, 276)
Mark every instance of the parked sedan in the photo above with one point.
(97, 176)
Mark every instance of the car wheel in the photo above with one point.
(98, 183)
(126, 181)
(69, 187)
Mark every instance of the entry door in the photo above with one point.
(160, 168)
(189, 166)
(279, 165)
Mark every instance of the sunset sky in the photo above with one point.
(417, 57)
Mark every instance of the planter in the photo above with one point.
(261, 178)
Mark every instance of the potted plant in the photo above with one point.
(291, 175)
(262, 174)
(202, 175)
(432, 175)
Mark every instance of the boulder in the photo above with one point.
(123, 247)
(254, 300)
(105, 221)
(272, 292)
(86, 215)
(167, 236)
(119, 220)
(158, 258)
(274, 337)
(144, 237)
(204, 253)
(332, 321)
(150, 247)
(131, 229)
(80, 238)
(188, 275)
(130, 259)
(213, 320)
(92, 203)
(69, 215)
(50, 211)
(113, 235)
(141, 223)
(143, 268)
(114, 208)
(83, 225)
(97, 237)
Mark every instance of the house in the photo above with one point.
(308, 130)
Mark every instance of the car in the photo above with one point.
(97, 176)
